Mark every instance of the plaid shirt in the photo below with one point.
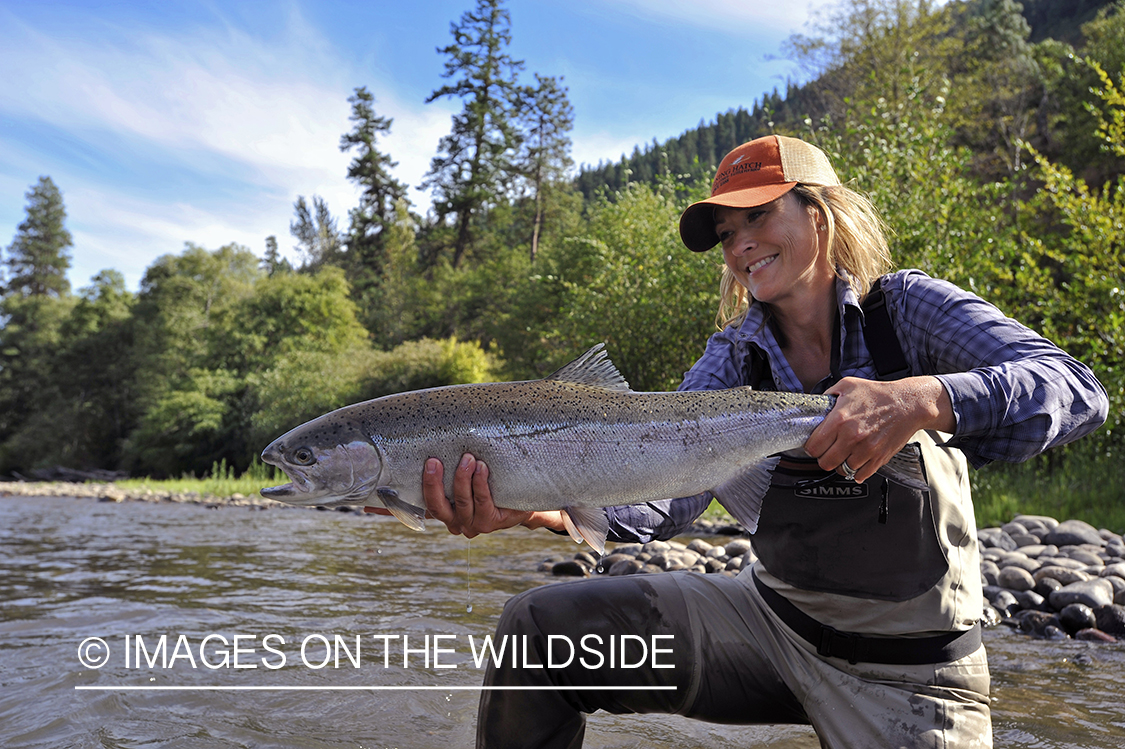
(1014, 393)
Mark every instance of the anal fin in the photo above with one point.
(588, 524)
(412, 516)
(742, 496)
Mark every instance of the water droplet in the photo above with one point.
(468, 576)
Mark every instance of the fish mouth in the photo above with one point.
(282, 492)
(297, 491)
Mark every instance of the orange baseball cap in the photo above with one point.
(751, 175)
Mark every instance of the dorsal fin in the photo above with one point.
(593, 369)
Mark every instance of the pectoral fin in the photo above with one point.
(588, 524)
(742, 495)
(412, 516)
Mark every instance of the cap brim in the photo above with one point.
(697, 223)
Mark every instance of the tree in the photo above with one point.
(629, 272)
(37, 258)
(998, 86)
(318, 239)
(370, 169)
(871, 48)
(186, 387)
(474, 161)
(273, 262)
(545, 158)
(79, 400)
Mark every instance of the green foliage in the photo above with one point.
(1061, 488)
(1084, 304)
(305, 384)
(628, 281)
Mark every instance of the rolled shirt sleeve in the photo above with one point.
(1014, 393)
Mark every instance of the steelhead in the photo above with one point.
(578, 440)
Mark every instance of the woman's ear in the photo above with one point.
(819, 218)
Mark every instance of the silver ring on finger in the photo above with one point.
(849, 472)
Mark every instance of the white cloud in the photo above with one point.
(259, 119)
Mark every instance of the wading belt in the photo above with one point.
(902, 651)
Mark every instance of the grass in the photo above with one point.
(221, 482)
(1081, 484)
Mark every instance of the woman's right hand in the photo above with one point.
(471, 511)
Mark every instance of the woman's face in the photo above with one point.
(775, 250)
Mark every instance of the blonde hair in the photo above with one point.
(856, 242)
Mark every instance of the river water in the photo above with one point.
(245, 597)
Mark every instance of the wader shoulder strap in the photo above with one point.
(879, 333)
(756, 370)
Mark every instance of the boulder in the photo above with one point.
(626, 566)
(1073, 533)
(737, 547)
(1015, 578)
(1093, 593)
(1111, 619)
(1077, 616)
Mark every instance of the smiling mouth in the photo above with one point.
(761, 264)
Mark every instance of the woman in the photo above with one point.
(861, 615)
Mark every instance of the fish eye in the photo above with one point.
(303, 456)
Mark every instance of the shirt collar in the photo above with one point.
(755, 328)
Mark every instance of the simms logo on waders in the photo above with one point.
(841, 490)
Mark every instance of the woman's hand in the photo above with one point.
(873, 420)
(471, 511)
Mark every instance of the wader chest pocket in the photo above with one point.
(871, 540)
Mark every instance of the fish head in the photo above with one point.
(329, 463)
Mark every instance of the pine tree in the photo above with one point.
(37, 257)
(273, 262)
(545, 158)
(474, 163)
(318, 239)
(370, 169)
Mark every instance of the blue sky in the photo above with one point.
(171, 122)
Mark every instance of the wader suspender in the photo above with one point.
(878, 333)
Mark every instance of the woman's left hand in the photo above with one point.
(873, 420)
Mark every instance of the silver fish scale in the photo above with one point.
(551, 444)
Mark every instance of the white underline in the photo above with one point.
(369, 688)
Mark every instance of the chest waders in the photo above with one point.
(873, 540)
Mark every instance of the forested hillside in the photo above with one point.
(995, 153)
(1046, 98)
